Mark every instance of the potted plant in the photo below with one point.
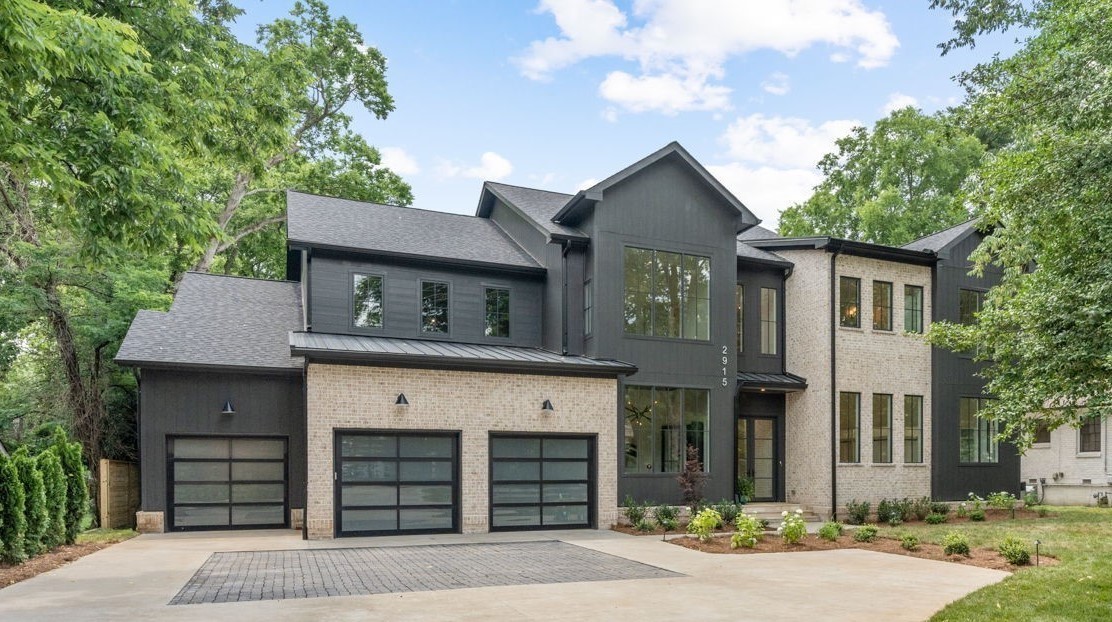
(744, 489)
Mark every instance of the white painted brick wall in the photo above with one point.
(1062, 455)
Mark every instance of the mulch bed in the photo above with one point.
(985, 558)
(46, 562)
(657, 531)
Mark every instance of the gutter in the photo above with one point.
(833, 386)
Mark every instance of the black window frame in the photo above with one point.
(771, 324)
(739, 301)
(888, 438)
(1086, 435)
(422, 327)
(983, 430)
(917, 436)
(652, 325)
(887, 308)
(842, 302)
(487, 290)
(916, 312)
(588, 308)
(592, 479)
(381, 295)
(842, 440)
(970, 316)
(704, 446)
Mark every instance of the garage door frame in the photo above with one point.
(592, 479)
(170, 481)
(337, 480)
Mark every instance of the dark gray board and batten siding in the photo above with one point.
(754, 277)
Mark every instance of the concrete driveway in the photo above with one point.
(138, 578)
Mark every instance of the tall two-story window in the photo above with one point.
(497, 312)
(660, 424)
(849, 301)
(913, 428)
(366, 300)
(913, 309)
(739, 298)
(1089, 436)
(970, 302)
(588, 307)
(768, 320)
(434, 307)
(882, 428)
(849, 425)
(976, 436)
(882, 305)
(667, 294)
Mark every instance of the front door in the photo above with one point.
(757, 455)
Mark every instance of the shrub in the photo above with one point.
(977, 515)
(692, 479)
(667, 517)
(894, 520)
(792, 528)
(963, 510)
(54, 484)
(764, 524)
(884, 511)
(704, 523)
(921, 508)
(909, 542)
(728, 510)
(939, 507)
(1002, 500)
(13, 521)
(749, 532)
(865, 533)
(976, 503)
(77, 491)
(858, 512)
(634, 512)
(1043, 511)
(955, 543)
(1015, 551)
(1030, 500)
(830, 531)
(905, 508)
(644, 525)
(34, 496)
(935, 519)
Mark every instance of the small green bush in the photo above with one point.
(976, 502)
(940, 507)
(704, 523)
(792, 528)
(935, 519)
(750, 531)
(865, 533)
(857, 511)
(1030, 500)
(895, 520)
(830, 531)
(955, 543)
(1015, 551)
(54, 483)
(34, 496)
(666, 517)
(633, 511)
(1002, 500)
(885, 509)
(977, 515)
(921, 508)
(644, 525)
(909, 542)
(963, 510)
(13, 520)
(728, 510)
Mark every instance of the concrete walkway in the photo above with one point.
(137, 579)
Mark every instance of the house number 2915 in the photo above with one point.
(725, 364)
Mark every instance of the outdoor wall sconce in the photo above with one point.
(546, 408)
(401, 401)
(228, 408)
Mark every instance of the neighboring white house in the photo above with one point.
(1069, 465)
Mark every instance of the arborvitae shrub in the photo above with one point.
(34, 495)
(13, 523)
(77, 492)
(54, 485)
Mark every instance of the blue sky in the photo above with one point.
(558, 93)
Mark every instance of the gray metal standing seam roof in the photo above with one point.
(218, 321)
(773, 381)
(940, 240)
(539, 205)
(447, 354)
(405, 231)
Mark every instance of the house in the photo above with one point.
(1069, 466)
(530, 366)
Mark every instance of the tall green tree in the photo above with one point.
(892, 184)
(1046, 202)
(13, 522)
(34, 494)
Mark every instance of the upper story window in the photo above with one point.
(913, 309)
(976, 435)
(1089, 441)
(769, 315)
(739, 298)
(667, 294)
(849, 301)
(497, 312)
(434, 307)
(366, 300)
(588, 307)
(970, 302)
(882, 305)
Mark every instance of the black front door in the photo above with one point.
(757, 455)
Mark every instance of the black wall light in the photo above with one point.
(546, 407)
(228, 408)
(401, 401)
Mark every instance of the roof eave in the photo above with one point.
(862, 249)
(463, 364)
(207, 367)
(453, 261)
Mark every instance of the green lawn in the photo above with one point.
(105, 535)
(1080, 588)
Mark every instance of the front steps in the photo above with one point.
(773, 512)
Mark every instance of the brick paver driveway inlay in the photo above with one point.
(275, 575)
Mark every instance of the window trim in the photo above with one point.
(891, 321)
(891, 420)
(774, 322)
(857, 428)
(1081, 451)
(920, 429)
(351, 300)
(922, 303)
(420, 308)
(683, 295)
(486, 287)
(842, 303)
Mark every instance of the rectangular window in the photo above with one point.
(913, 429)
(1090, 435)
(849, 420)
(977, 436)
(434, 307)
(660, 424)
(882, 428)
(739, 298)
(970, 303)
(666, 294)
(913, 309)
(588, 307)
(1042, 434)
(497, 312)
(849, 301)
(366, 301)
(882, 305)
(768, 321)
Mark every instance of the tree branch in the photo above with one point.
(255, 228)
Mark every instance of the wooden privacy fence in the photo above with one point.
(119, 493)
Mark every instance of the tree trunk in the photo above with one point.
(81, 395)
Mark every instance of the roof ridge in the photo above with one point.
(403, 207)
(498, 183)
(239, 276)
(923, 237)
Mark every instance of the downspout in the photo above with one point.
(833, 392)
(564, 302)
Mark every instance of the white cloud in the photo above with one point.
(766, 190)
(682, 46)
(898, 100)
(399, 161)
(777, 84)
(586, 183)
(492, 167)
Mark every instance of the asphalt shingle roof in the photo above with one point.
(219, 321)
(539, 205)
(938, 241)
(757, 232)
(340, 223)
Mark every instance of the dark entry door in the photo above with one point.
(757, 455)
